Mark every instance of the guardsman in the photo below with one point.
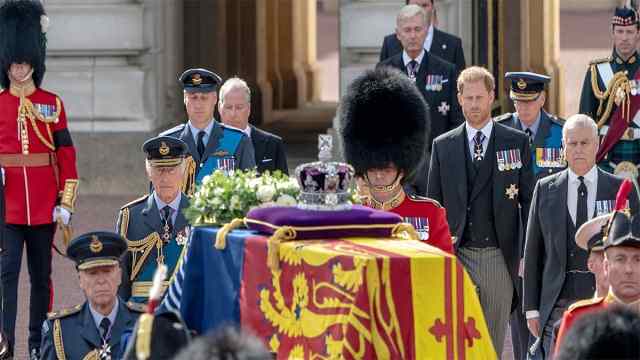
(622, 255)
(386, 157)
(211, 145)
(543, 129)
(154, 225)
(590, 237)
(92, 330)
(38, 163)
(610, 95)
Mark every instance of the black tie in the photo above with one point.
(200, 144)
(581, 210)
(412, 67)
(478, 148)
(166, 215)
(104, 328)
(530, 135)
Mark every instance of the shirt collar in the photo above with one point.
(406, 58)
(486, 130)
(631, 60)
(175, 204)
(97, 317)
(590, 176)
(207, 129)
(429, 39)
(534, 127)
(246, 131)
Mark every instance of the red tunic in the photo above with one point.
(31, 192)
(576, 311)
(429, 218)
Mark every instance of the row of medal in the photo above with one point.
(635, 87)
(509, 159)
(550, 158)
(45, 109)
(421, 224)
(606, 206)
(435, 82)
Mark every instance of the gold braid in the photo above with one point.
(57, 340)
(618, 83)
(29, 110)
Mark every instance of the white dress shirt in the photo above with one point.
(591, 181)
(471, 133)
(406, 59)
(429, 39)
(174, 205)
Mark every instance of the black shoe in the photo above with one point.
(5, 348)
(34, 354)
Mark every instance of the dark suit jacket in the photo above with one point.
(269, 151)
(440, 121)
(444, 45)
(545, 260)
(80, 334)
(144, 219)
(448, 185)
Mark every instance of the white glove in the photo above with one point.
(61, 213)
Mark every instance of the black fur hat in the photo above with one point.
(22, 39)
(384, 120)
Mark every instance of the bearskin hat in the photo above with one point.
(22, 39)
(384, 120)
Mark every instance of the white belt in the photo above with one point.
(629, 134)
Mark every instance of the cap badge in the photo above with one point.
(164, 149)
(96, 245)
(196, 79)
(522, 84)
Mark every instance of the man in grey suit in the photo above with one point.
(481, 173)
(555, 268)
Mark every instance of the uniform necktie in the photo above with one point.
(530, 135)
(581, 209)
(478, 148)
(412, 67)
(104, 328)
(168, 223)
(200, 144)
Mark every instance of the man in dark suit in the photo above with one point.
(545, 141)
(211, 145)
(555, 267)
(235, 108)
(434, 77)
(437, 42)
(92, 330)
(154, 225)
(481, 173)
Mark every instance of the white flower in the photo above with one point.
(44, 23)
(286, 200)
(265, 193)
(218, 191)
(235, 203)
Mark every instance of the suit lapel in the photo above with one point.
(212, 144)
(259, 144)
(187, 137)
(485, 171)
(421, 76)
(123, 322)
(181, 221)
(458, 145)
(151, 214)
(543, 130)
(557, 205)
(89, 330)
(436, 44)
(606, 189)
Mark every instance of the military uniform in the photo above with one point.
(156, 233)
(82, 332)
(611, 96)
(426, 215)
(226, 148)
(38, 162)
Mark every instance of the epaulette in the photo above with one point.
(64, 312)
(137, 307)
(425, 199)
(557, 120)
(585, 302)
(600, 60)
(175, 129)
(134, 202)
(503, 117)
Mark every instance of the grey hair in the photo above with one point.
(234, 83)
(148, 166)
(409, 11)
(579, 121)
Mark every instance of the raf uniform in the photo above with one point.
(156, 233)
(38, 165)
(216, 146)
(610, 95)
(77, 333)
(370, 144)
(623, 230)
(545, 134)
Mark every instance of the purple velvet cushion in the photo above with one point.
(359, 221)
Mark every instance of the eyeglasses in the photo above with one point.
(165, 170)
